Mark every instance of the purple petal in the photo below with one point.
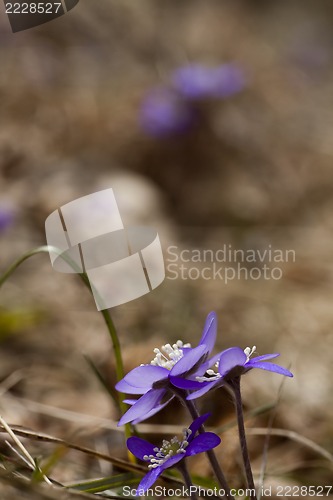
(7, 217)
(188, 362)
(265, 356)
(130, 401)
(208, 364)
(203, 442)
(164, 113)
(149, 480)
(144, 405)
(209, 332)
(187, 384)
(207, 386)
(230, 358)
(144, 376)
(125, 388)
(172, 461)
(197, 423)
(271, 367)
(197, 81)
(186, 350)
(139, 447)
(230, 80)
(152, 412)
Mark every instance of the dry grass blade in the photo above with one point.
(108, 424)
(80, 418)
(27, 458)
(261, 431)
(299, 465)
(118, 462)
(40, 492)
(267, 439)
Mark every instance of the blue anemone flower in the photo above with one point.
(231, 363)
(197, 81)
(171, 452)
(7, 217)
(153, 380)
(164, 113)
(172, 109)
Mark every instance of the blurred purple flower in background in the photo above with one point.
(171, 452)
(165, 113)
(201, 82)
(171, 110)
(7, 217)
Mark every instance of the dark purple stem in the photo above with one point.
(187, 478)
(210, 453)
(235, 385)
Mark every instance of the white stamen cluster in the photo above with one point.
(168, 355)
(248, 352)
(168, 449)
(210, 375)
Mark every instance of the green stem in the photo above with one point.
(18, 262)
(120, 372)
(119, 367)
(116, 345)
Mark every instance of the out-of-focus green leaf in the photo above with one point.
(53, 459)
(15, 320)
(37, 475)
(105, 483)
(204, 482)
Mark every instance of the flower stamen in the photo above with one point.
(168, 449)
(168, 355)
(210, 375)
(248, 352)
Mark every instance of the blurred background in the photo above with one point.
(213, 123)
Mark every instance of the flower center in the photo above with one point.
(168, 355)
(210, 375)
(248, 352)
(168, 449)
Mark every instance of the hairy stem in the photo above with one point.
(235, 385)
(210, 453)
(187, 478)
